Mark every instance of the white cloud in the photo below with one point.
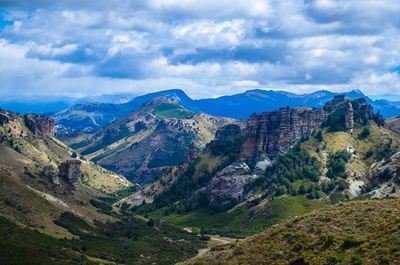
(207, 47)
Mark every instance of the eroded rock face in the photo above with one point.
(227, 187)
(349, 117)
(40, 125)
(70, 170)
(273, 133)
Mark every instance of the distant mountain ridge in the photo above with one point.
(96, 112)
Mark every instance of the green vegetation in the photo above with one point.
(25, 247)
(195, 177)
(359, 232)
(243, 220)
(319, 136)
(336, 120)
(127, 241)
(109, 152)
(111, 136)
(293, 168)
(364, 133)
(337, 165)
(168, 110)
(80, 144)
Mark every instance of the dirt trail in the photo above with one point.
(215, 240)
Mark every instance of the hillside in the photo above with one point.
(91, 116)
(56, 208)
(30, 160)
(394, 123)
(312, 157)
(359, 232)
(149, 142)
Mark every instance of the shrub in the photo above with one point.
(350, 242)
(364, 133)
(356, 260)
(319, 136)
(369, 153)
(150, 222)
(337, 165)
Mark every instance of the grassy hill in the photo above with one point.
(358, 232)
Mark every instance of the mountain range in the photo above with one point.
(167, 180)
(89, 117)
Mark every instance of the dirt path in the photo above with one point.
(215, 240)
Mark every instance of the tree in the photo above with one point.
(319, 136)
(74, 155)
(202, 231)
(364, 134)
(150, 222)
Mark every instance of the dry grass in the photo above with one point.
(359, 232)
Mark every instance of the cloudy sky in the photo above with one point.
(207, 47)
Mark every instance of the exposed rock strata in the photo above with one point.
(40, 125)
(273, 133)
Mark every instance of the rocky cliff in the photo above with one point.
(273, 133)
(40, 125)
(70, 170)
(227, 187)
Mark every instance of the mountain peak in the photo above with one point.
(160, 100)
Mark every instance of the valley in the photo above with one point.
(167, 184)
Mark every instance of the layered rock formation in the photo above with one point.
(273, 133)
(70, 170)
(40, 125)
(349, 117)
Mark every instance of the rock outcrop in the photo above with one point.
(273, 133)
(40, 125)
(226, 188)
(70, 170)
(50, 172)
(347, 112)
(3, 119)
(349, 117)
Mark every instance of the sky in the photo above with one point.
(208, 48)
